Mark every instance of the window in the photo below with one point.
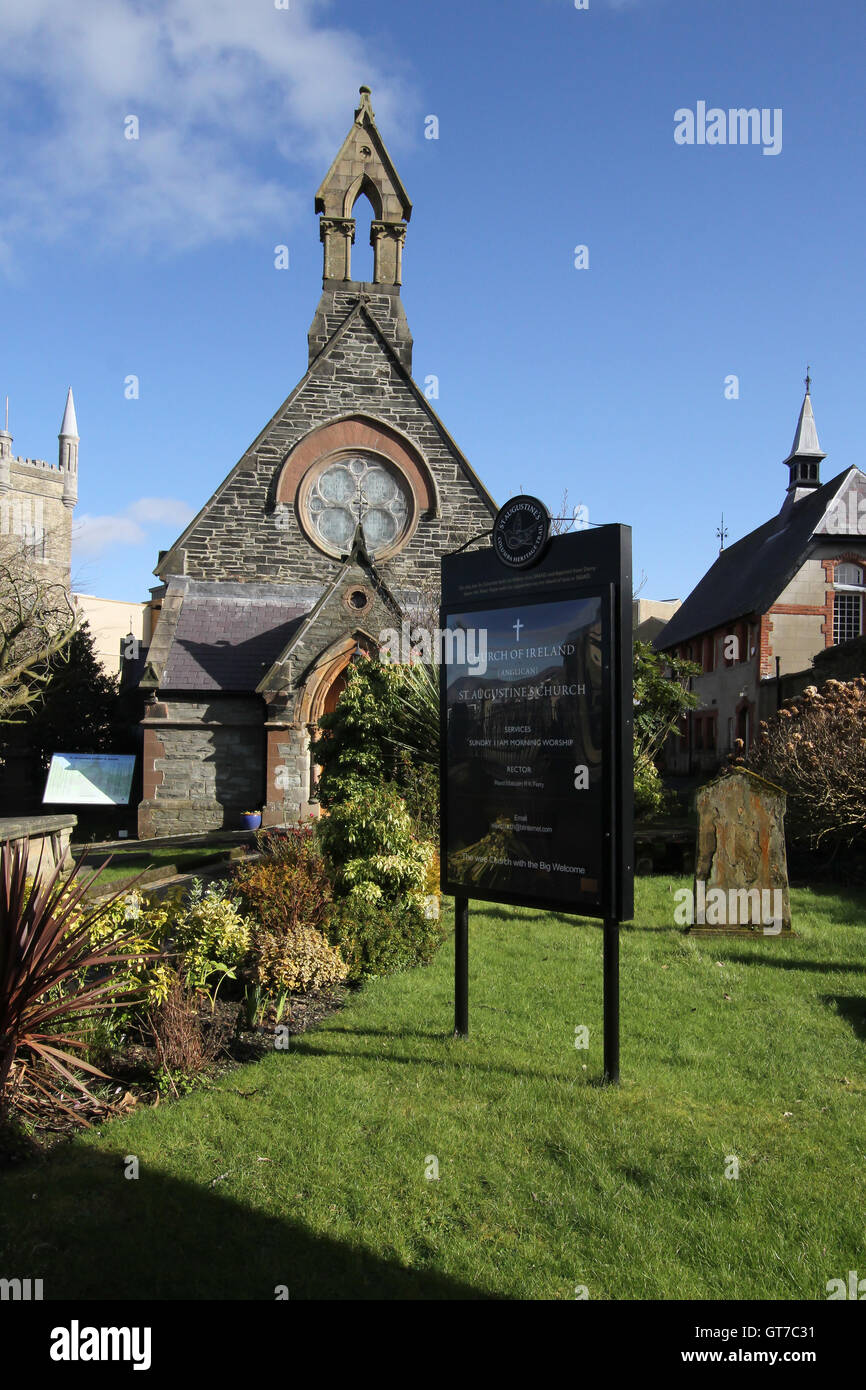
(848, 603)
(352, 488)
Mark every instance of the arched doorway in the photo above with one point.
(325, 685)
(335, 690)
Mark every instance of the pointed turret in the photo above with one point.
(804, 460)
(5, 455)
(68, 454)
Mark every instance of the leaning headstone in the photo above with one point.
(741, 870)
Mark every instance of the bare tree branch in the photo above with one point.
(37, 621)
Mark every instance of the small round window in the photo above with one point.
(356, 488)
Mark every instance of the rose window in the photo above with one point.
(354, 489)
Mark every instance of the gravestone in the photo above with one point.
(741, 869)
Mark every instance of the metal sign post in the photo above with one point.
(537, 778)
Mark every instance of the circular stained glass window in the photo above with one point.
(356, 489)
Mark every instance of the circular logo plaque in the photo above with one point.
(521, 532)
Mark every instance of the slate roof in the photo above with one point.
(749, 575)
(228, 643)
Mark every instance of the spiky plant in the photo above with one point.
(416, 726)
(52, 976)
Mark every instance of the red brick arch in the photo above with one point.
(359, 432)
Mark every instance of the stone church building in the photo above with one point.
(323, 534)
(37, 499)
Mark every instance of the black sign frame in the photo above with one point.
(574, 567)
(605, 556)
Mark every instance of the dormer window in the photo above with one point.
(850, 589)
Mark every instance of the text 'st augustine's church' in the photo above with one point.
(317, 540)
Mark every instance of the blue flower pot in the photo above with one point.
(251, 822)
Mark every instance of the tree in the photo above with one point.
(661, 699)
(78, 709)
(37, 621)
(815, 749)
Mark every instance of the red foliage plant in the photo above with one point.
(51, 975)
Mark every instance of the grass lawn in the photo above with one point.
(128, 863)
(308, 1169)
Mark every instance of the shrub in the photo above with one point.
(286, 895)
(182, 1043)
(289, 894)
(816, 750)
(650, 798)
(372, 849)
(53, 978)
(379, 939)
(211, 936)
(375, 736)
(294, 961)
(143, 925)
(290, 844)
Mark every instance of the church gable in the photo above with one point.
(255, 529)
(330, 526)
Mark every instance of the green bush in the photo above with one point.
(293, 961)
(211, 936)
(650, 798)
(373, 851)
(289, 895)
(284, 896)
(379, 938)
(371, 739)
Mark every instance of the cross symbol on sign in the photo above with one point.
(517, 626)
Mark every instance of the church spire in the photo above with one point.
(5, 455)
(804, 460)
(68, 453)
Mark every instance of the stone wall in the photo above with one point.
(33, 511)
(243, 537)
(204, 763)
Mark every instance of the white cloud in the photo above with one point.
(168, 510)
(94, 535)
(220, 88)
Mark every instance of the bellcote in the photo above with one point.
(804, 460)
(363, 168)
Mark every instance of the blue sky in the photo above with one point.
(155, 257)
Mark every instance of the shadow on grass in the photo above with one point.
(450, 1060)
(825, 967)
(851, 1007)
(91, 1233)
